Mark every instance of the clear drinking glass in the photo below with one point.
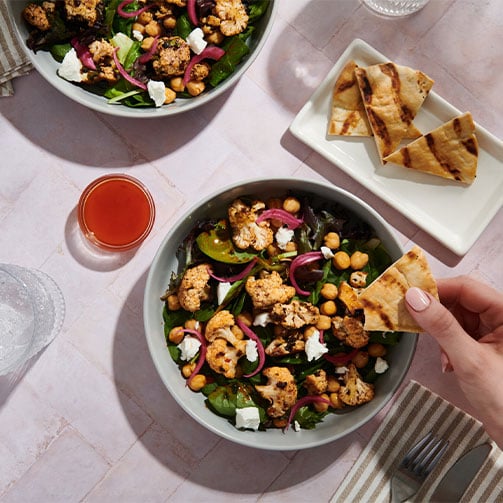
(32, 310)
(395, 8)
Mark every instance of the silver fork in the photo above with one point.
(416, 466)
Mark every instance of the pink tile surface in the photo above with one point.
(89, 419)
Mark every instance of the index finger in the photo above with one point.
(474, 296)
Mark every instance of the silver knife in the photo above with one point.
(460, 475)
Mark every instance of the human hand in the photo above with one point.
(468, 325)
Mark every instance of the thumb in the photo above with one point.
(439, 322)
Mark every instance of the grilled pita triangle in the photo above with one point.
(392, 94)
(449, 151)
(383, 301)
(347, 114)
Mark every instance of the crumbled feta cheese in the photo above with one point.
(327, 252)
(70, 67)
(381, 365)
(156, 90)
(138, 35)
(248, 418)
(251, 351)
(196, 41)
(189, 347)
(341, 370)
(296, 426)
(314, 348)
(283, 237)
(222, 290)
(261, 320)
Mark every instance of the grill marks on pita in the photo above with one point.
(383, 301)
(392, 94)
(449, 151)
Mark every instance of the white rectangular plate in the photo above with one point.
(453, 213)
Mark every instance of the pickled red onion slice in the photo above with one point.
(125, 74)
(306, 400)
(236, 277)
(282, 215)
(191, 11)
(126, 14)
(260, 347)
(341, 359)
(300, 261)
(209, 52)
(147, 56)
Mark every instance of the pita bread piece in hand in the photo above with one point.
(392, 95)
(383, 301)
(449, 151)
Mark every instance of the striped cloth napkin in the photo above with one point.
(13, 60)
(416, 412)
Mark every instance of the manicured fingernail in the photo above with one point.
(417, 299)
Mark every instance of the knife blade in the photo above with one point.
(460, 475)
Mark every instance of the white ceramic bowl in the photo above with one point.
(334, 426)
(45, 64)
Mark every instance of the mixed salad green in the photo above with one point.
(263, 318)
(144, 53)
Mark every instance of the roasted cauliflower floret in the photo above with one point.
(223, 357)
(194, 288)
(37, 15)
(233, 16)
(280, 390)
(285, 343)
(223, 325)
(178, 3)
(296, 314)
(268, 290)
(355, 390)
(316, 383)
(246, 232)
(88, 12)
(102, 53)
(350, 331)
(172, 57)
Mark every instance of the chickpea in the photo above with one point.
(335, 401)
(238, 333)
(273, 250)
(138, 27)
(329, 291)
(359, 260)
(280, 422)
(176, 335)
(153, 29)
(245, 318)
(192, 324)
(291, 204)
(360, 359)
(376, 349)
(328, 308)
(169, 22)
(188, 369)
(290, 246)
(341, 260)
(324, 322)
(173, 302)
(146, 43)
(215, 37)
(332, 240)
(333, 384)
(145, 17)
(321, 406)
(197, 382)
(308, 331)
(195, 88)
(169, 95)
(176, 83)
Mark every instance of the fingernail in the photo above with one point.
(417, 299)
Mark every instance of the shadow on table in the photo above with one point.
(181, 444)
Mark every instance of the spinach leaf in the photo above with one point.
(308, 419)
(235, 50)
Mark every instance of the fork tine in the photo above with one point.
(416, 449)
(423, 458)
(433, 457)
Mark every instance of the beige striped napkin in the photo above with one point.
(13, 60)
(416, 412)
